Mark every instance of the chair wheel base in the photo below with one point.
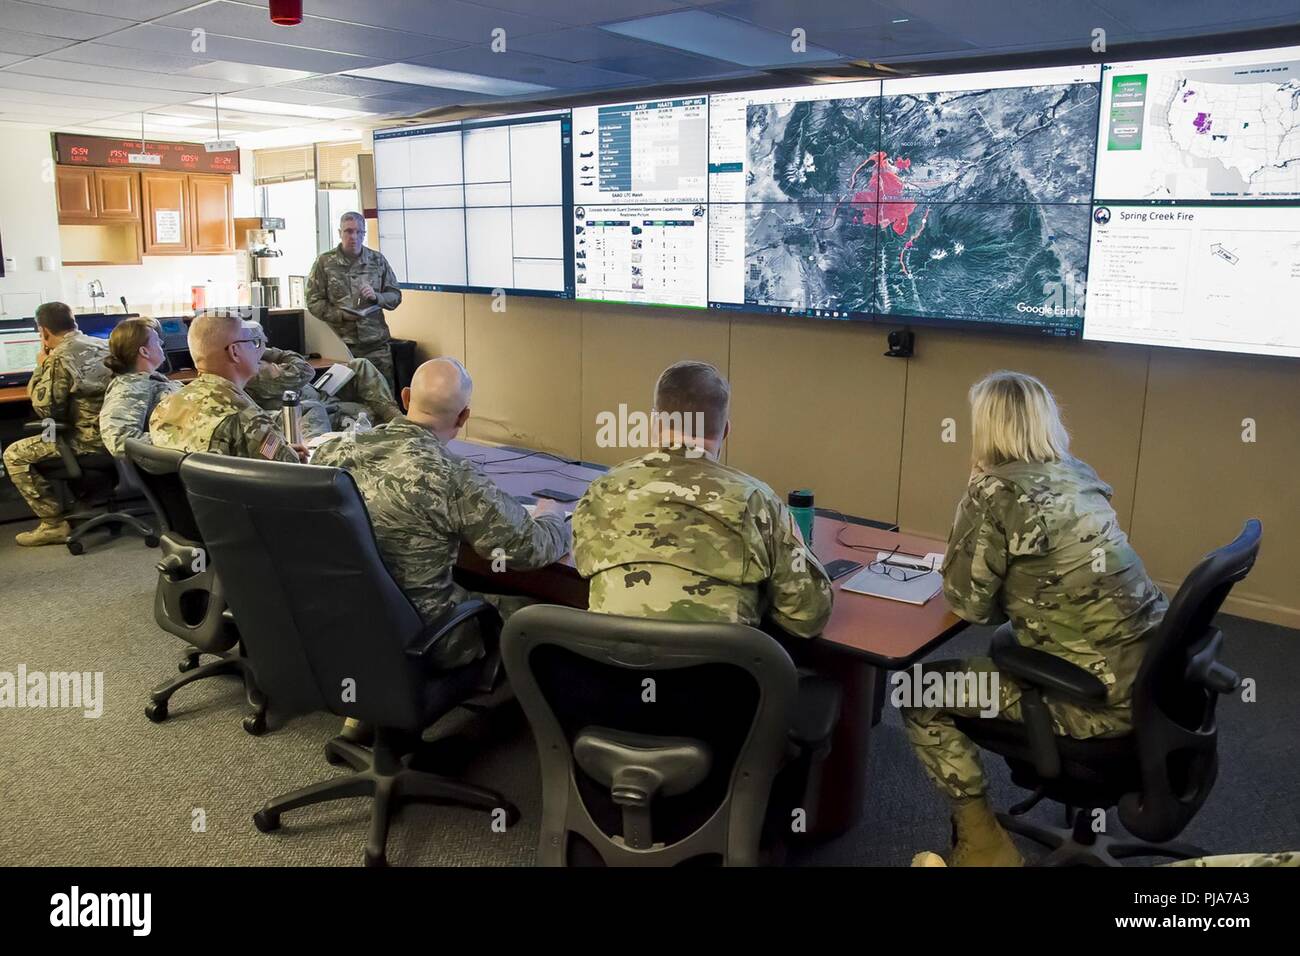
(255, 724)
(156, 710)
(76, 547)
(151, 541)
(376, 859)
(266, 821)
(188, 664)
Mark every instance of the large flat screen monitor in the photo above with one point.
(478, 205)
(1196, 215)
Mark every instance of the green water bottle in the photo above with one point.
(801, 506)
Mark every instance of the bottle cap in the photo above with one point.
(800, 499)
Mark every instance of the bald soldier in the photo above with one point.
(352, 278)
(424, 500)
(213, 412)
(675, 534)
(281, 369)
(67, 387)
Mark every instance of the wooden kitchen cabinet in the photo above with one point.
(212, 229)
(75, 191)
(165, 205)
(117, 194)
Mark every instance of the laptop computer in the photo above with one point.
(19, 343)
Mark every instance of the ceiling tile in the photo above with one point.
(359, 86)
(526, 68)
(1039, 25)
(1187, 17)
(783, 16)
(247, 74)
(7, 58)
(587, 12)
(55, 22)
(138, 10)
(173, 40)
(451, 19)
(668, 65)
(102, 54)
(882, 46)
(582, 44)
(29, 44)
(289, 94)
(252, 23)
(21, 81)
(61, 69)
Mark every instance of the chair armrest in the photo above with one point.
(1045, 671)
(66, 453)
(452, 619)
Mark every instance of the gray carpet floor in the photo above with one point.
(120, 790)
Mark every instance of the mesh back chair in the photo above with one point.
(189, 601)
(1158, 774)
(328, 629)
(93, 477)
(659, 741)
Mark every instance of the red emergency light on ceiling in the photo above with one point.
(286, 12)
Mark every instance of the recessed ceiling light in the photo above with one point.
(904, 20)
(448, 79)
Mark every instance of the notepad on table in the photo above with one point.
(918, 589)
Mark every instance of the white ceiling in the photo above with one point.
(97, 65)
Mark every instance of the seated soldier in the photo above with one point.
(213, 413)
(135, 353)
(675, 534)
(366, 391)
(67, 388)
(424, 500)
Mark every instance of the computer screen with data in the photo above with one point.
(1196, 213)
(640, 216)
(950, 198)
(478, 205)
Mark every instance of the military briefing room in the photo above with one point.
(650, 433)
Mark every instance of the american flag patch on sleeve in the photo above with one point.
(270, 446)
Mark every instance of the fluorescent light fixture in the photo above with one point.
(448, 79)
(278, 109)
(902, 20)
(722, 38)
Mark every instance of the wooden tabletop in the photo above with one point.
(18, 393)
(889, 633)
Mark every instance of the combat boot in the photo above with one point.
(981, 841)
(49, 531)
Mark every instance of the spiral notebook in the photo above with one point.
(918, 590)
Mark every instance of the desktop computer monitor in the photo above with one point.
(101, 324)
(19, 343)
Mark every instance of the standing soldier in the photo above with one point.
(349, 288)
(68, 388)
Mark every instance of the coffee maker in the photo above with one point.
(259, 243)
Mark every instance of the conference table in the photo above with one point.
(865, 637)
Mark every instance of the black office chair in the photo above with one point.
(1160, 773)
(189, 601)
(328, 628)
(98, 480)
(659, 741)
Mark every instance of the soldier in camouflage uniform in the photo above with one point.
(282, 369)
(213, 413)
(134, 355)
(1037, 543)
(354, 276)
(424, 501)
(675, 534)
(67, 388)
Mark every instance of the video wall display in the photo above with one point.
(478, 205)
(1154, 202)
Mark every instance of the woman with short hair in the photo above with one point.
(135, 353)
(1037, 543)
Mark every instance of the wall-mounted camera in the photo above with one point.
(901, 342)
